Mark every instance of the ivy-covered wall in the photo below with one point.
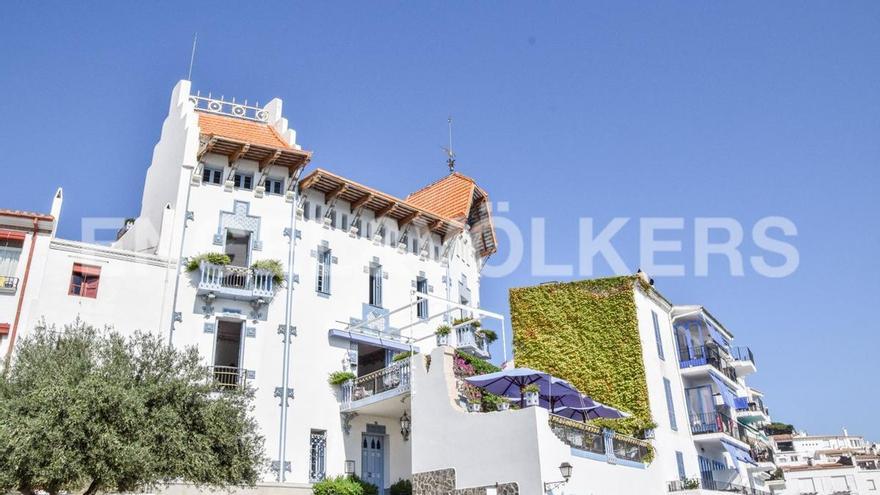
(587, 333)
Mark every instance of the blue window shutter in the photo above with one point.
(679, 459)
(657, 335)
(669, 405)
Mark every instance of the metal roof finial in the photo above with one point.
(450, 154)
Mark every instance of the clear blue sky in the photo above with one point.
(685, 109)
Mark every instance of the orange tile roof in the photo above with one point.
(242, 130)
(26, 214)
(449, 197)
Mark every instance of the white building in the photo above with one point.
(366, 276)
(827, 464)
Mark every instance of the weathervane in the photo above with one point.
(450, 154)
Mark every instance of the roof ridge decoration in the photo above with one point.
(230, 108)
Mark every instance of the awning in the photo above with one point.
(741, 403)
(738, 454)
(726, 394)
(395, 345)
(717, 336)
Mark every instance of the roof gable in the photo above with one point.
(240, 130)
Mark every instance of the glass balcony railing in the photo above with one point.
(742, 353)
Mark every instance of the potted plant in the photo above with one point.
(193, 264)
(487, 335)
(691, 483)
(442, 334)
(503, 405)
(340, 377)
(474, 405)
(273, 267)
(530, 395)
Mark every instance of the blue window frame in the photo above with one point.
(322, 283)
(243, 181)
(657, 334)
(669, 404)
(679, 460)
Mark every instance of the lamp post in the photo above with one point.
(564, 468)
(405, 424)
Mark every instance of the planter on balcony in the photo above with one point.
(503, 406)
(531, 398)
(475, 407)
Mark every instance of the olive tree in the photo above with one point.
(88, 410)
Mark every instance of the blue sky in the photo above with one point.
(680, 109)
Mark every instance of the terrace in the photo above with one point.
(706, 424)
(595, 442)
(711, 486)
(694, 358)
(371, 393)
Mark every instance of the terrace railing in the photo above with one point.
(718, 486)
(468, 339)
(603, 442)
(236, 281)
(394, 377)
(578, 434)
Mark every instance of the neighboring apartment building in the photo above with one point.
(707, 418)
(828, 464)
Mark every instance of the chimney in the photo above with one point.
(55, 211)
(845, 433)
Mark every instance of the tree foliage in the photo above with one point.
(88, 409)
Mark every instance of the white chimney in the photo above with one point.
(55, 211)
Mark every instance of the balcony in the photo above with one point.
(743, 360)
(8, 284)
(702, 486)
(373, 389)
(705, 355)
(599, 443)
(753, 411)
(468, 339)
(228, 377)
(712, 423)
(235, 282)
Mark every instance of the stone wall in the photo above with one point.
(442, 482)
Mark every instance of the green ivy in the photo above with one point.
(586, 332)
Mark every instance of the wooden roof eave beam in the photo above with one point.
(242, 150)
(206, 147)
(405, 221)
(308, 182)
(331, 196)
(269, 160)
(385, 211)
(360, 202)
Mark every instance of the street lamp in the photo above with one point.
(405, 424)
(564, 468)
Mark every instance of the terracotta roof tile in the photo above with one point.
(449, 197)
(240, 130)
(26, 214)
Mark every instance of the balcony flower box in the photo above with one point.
(475, 407)
(503, 405)
(530, 396)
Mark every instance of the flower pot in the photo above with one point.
(475, 407)
(531, 399)
(503, 406)
(442, 339)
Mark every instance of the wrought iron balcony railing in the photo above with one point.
(228, 377)
(705, 354)
(718, 423)
(742, 353)
(236, 282)
(393, 378)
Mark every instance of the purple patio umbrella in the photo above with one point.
(597, 411)
(553, 392)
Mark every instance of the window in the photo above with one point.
(11, 244)
(243, 181)
(317, 455)
(344, 222)
(376, 285)
(275, 186)
(415, 246)
(669, 405)
(306, 210)
(657, 334)
(679, 459)
(332, 214)
(318, 213)
(212, 176)
(84, 281)
(422, 307)
(323, 281)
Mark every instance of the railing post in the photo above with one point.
(608, 438)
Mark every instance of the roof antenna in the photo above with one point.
(192, 57)
(450, 154)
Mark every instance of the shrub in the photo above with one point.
(443, 330)
(339, 485)
(272, 266)
(402, 487)
(401, 356)
(489, 335)
(367, 488)
(480, 366)
(193, 263)
(340, 377)
(531, 388)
